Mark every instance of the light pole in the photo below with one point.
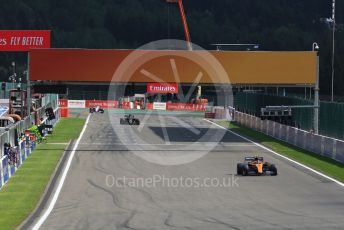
(14, 67)
(333, 44)
(316, 48)
(13, 77)
(28, 87)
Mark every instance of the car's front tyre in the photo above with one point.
(239, 168)
(245, 170)
(273, 169)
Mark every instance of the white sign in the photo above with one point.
(159, 105)
(4, 101)
(76, 104)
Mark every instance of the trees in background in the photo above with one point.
(275, 24)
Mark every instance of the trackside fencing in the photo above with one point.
(322, 145)
(330, 117)
(23, 145)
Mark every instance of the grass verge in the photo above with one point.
(322, 164)
(20, 195)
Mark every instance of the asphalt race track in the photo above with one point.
(109, 184)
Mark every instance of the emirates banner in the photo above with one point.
(24, 40)
(162, 88)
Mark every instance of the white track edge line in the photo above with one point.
(63, 178)
(284, 157)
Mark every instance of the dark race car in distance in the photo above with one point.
(256, 166)
(97, 109)
(129, 120)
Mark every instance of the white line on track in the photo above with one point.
(183, 124)
(63, 178)
(284, 157)
(164, 131)
(171, 144)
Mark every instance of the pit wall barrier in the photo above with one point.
(23, 144)
(322, 145)
(65, 105)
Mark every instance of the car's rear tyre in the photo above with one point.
(273, 169)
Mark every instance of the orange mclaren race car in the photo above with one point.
(256, 166)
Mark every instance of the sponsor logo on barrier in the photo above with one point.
(126, 105)
(77, 104)
(103, 104)
(24, 40)
(5, 169)
(159, 106)
(63, 103)
(162, 88)
(185, 107)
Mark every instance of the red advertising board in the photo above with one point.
(102, 104)
(162, 88)
(24, 40)
(185, 107)
(126, 105)
(63, 103)
(149, 106)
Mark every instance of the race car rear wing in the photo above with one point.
(253, 158)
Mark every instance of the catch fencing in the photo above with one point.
(322, 145)
(331, 116)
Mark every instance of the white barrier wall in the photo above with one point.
(321, 145)
(159, 105)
